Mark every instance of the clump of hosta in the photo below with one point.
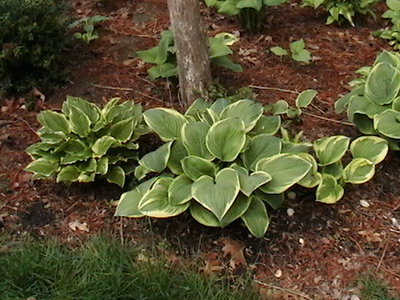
(83, 142)
(392, 33)
(373, 104)
(220, 161)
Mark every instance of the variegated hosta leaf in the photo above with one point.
(267, 125)
(256, 218)
(217, 195)
(80, 123)
(54, 121)
(382, 84)
(335, 169)
(156, 161)
(154, 202)
(285, 170)
(178, 152)
(358, 171)
(364, 106)
(329, 191)
(370, 147)
(194, 139)
(116, 175)
(388, 123)
(219, 105)
(249, 183)
(209, 117)
(273, 200)
(73, 146)
(180, 190)
(167, 123)
(207, 218)
(295, 148)
(246, 110)
(304, 98)
(123, 130)
(195, 167)
(226, 138)
(331, 149)
(261, 146)
(102, 145)
(311, 180)
(43, 167)
(129, 201)
(102, 166)
(68, 174)
(198, 106)
(89, 109)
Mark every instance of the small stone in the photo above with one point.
(301, 241)
(290, 212)
(291, 195)
(364, 203)
(278, 273)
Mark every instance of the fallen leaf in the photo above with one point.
(370, 235)
(234, 249)
(212, 263)
(74, 225)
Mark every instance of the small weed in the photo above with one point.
(373, 289)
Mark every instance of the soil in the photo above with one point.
(317, 253)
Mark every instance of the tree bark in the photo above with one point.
(191, 43)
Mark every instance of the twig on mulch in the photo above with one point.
(283, 289)
(272, 88)
(383, 256)
(327, 119)
(125, 89)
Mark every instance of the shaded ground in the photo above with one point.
(319, 251)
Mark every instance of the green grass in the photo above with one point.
(102, 269)
(373, 289)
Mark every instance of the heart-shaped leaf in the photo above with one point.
(167, 123)
(217, 194)
(358, 171)
(195, 167)
(285, 169)
(329, 191)
(331, 149)
(256, 218)
(370, 147)
(226, 139)
(249, 183)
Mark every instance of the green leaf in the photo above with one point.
(89, 109)
(256, 218)
(279, 51)
(273, 2)
(341, 104)
(227, 63)
(285, 170)
(335, 169)
(388, 123)
(102, 145)
(167, 123)
(382, 84)
(305, 98)
(393, 4)
(102, 166)
(219, 105)
(43, 167)
(358, 171)
(194, 139)
(329, 191)
(68, 174)
(274, 200)
(198, 106)
(116, 175)
(54, 138)
(226, 138)
(54, 121)
(73, 146)
(255, 4)
(246, 110)
(293, 112)
(267, 125)
(154, 202)
(217, 195)
(123, 130)
(261, 146)
(178, 152)
(295, 148)
(280, 107)
(229, 8)
(372, 148)
(249, 183)
(195, 167)
(80, 123)
(302, 56)
(156, 161)
(331, 149)
(180, 190)
(297, 46)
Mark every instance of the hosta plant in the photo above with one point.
(164, 56)
(84, 142)
(373, 104)
(219, 161)
(341, 10)
(250, 13)
(87, 25)
(392, 33)
(298, 51)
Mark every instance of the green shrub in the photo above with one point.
(83, 142)
(341, 10)
(373, 104)
(164, 55)
(222, 162)
(250, 13)
(32, 38)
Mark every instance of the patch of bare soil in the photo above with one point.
(315, 253)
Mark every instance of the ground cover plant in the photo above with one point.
(311, 250)
(297, 51)
(87, 32)
(392, 33)
(33, 36)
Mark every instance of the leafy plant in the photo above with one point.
(32, 38)
(373, 103)
(164, 55)
(87, 25)
(297, 51)
(340, 10)
(250, 13)
(83, 142)
(392, 34)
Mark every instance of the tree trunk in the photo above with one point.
(191, 43)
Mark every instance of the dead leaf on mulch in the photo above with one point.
(74, 225)
(212, 263)
(370, 235)
(233, 249)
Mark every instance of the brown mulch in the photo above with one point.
(320, 250)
